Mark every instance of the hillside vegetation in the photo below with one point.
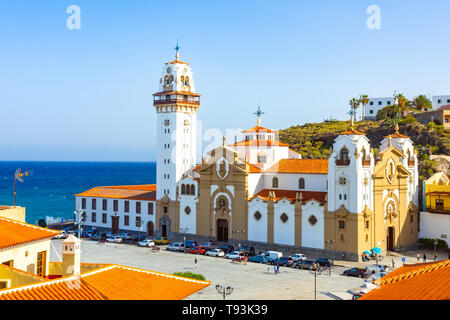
(314, 140)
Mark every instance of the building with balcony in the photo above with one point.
(435, 214)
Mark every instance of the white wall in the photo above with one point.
(25, 256)
(284, 233)
(434, 225)
(313, 235)
(289, 181)
(145, 217)
(257, 230)
(188, 221)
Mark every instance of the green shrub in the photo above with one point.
(408, 120)
(191, 275)
(430, 243)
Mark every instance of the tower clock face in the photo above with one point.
(169, 70)
(185, 70)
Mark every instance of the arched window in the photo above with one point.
(364, 155)
(188, 189)
(301, 183)
(344, 154)
(275, 182)
(166, 80)
(183, 189)
(182, 80)
(186, 81)
(192, 189)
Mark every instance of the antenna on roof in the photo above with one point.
(18, 175)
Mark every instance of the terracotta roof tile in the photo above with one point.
(352, 132)
(14, 233)
(316, 166)
(110, 283)
(422, 281)
(258, 129)
(146, 192)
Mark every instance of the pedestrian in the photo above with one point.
(418, 257)
(343, 255)
(424, 258)
(393, 263)
(275, 269)
(195, 264)
(435, 257)
(245, 259)
(329, 267)
(278, 268)
(363, 257)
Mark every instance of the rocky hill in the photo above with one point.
(314, 140)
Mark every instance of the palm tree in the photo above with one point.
(364, 100)
(354, 104)
(402, 103)
(421, 102)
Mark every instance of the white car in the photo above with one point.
(146, 243)
(232, 255)
(62, 235)
(127, 236)
(298, 257)
(114, 239)
(215, 253)
(177, 247)
(376, 268)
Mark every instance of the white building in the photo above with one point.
(439, 101)
(376, 104)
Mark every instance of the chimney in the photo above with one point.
(71, 252)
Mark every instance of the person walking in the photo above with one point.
(418, 257)
(363, 257)
(424, 258)
(393, 263)
(435, 257)
(195, 264)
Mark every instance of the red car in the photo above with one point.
(197, 250)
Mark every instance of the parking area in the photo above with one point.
(252, 281)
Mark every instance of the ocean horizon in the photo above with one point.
(49, 193)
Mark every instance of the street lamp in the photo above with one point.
(317, 272)
(184, 231)
(224, 291)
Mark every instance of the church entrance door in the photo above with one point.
(390, 239)
(115, 225)
(222, 230)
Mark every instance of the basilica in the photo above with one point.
(260, 192)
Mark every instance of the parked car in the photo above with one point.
(306, 264)
(114, 239)
(283, 261)
(272, 255)
(62, 235)
(189, 244)
(226, 248)
(146, 243)
(176, 246)
(215, 253)
(140, 237)
(161, 240)
(249, 251)
(258, 259)
(207, 245)
(375, 268)
(324, 261)
(233, 255)
(298, 257)
(375, 276)
(126, 236)
(355, 272)
(96, 236)
(196, 250)
(84, 234)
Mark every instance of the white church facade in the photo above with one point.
(260, 192)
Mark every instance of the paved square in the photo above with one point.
(250, 282)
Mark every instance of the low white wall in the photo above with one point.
(434, 225)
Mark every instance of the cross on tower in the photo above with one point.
(258, 114)
(177, 48)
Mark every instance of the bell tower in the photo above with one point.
(176, 104)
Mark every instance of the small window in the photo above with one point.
(367, 224)
(371, 103)
(284, 218)
(192, 189)
(127, 206)
(150, 208)
(187, 210)
(126, 220)
(371, 111)
(138, 222)
(83, 203)
(105, 204)
(116, 205)
(275, 182)
(301, 183)
(165, 210)
(257, 216)
(104, 218)
(341, 224)
(379, 103)
(94, 204)
(94, 217)
(138, 207)
(312, 220)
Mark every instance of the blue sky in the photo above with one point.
(86, 94)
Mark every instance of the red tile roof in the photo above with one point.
(110, 283)
(352, 132)
(316, 166)
(146, 192)
(291, 195)
(13, 233)
(422, 281)
(258, 129)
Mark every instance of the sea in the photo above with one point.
(49, 192)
